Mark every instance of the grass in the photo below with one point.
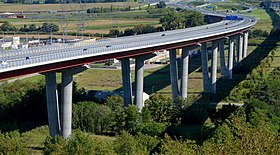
(264, 20)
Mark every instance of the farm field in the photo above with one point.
(58, 7)
(94, 23)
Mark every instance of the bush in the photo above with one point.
(153, 128)
(79, 143)
(161, 108)
(91, 117)
(127, 144)
(10, 143)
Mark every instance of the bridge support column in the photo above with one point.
(230, 57)
(185, 72)
(214, 66)
(245, 44)
(173, 74)
(222, 59)
(52, 104)
(126, 81)
(234, 51)
(66, 99)
(204, 67)
(139, 80)
(239, 47)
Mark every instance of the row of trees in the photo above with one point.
(105, 10)
(139, 29)
(46, 27)
(171, 21)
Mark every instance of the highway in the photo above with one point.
(25, 58)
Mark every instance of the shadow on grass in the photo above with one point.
(160, 79)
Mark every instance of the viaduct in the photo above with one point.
(71, 59)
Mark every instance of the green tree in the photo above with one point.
(126, 144)
(83, 117)
(132, 119)
(49, 27)
(161, 108)
(161, 4)
(6, 26)
(115, 32)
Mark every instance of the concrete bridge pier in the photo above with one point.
(52, 104)
(185, 72)
(239, 47)
(223, 67)
(204, 67)
(139, 79)
(214, 66)
(174, 74)
(230, 57)
(66, 99)
(126, 81)
(245, 44)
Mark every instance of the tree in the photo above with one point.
(172, 20)
(161, 4)
(192, 18)
(127, 144)
(49, 27)
(6, 26)
(132, 119)
(32, 27)
(115, 32)
(129, 32)
(160, 107)
(103, 118)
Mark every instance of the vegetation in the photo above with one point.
(183, 19)
(162, 127)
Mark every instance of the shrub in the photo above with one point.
(10, 143)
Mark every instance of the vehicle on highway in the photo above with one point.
(26, 58)
(163, 35)
(108, 46)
